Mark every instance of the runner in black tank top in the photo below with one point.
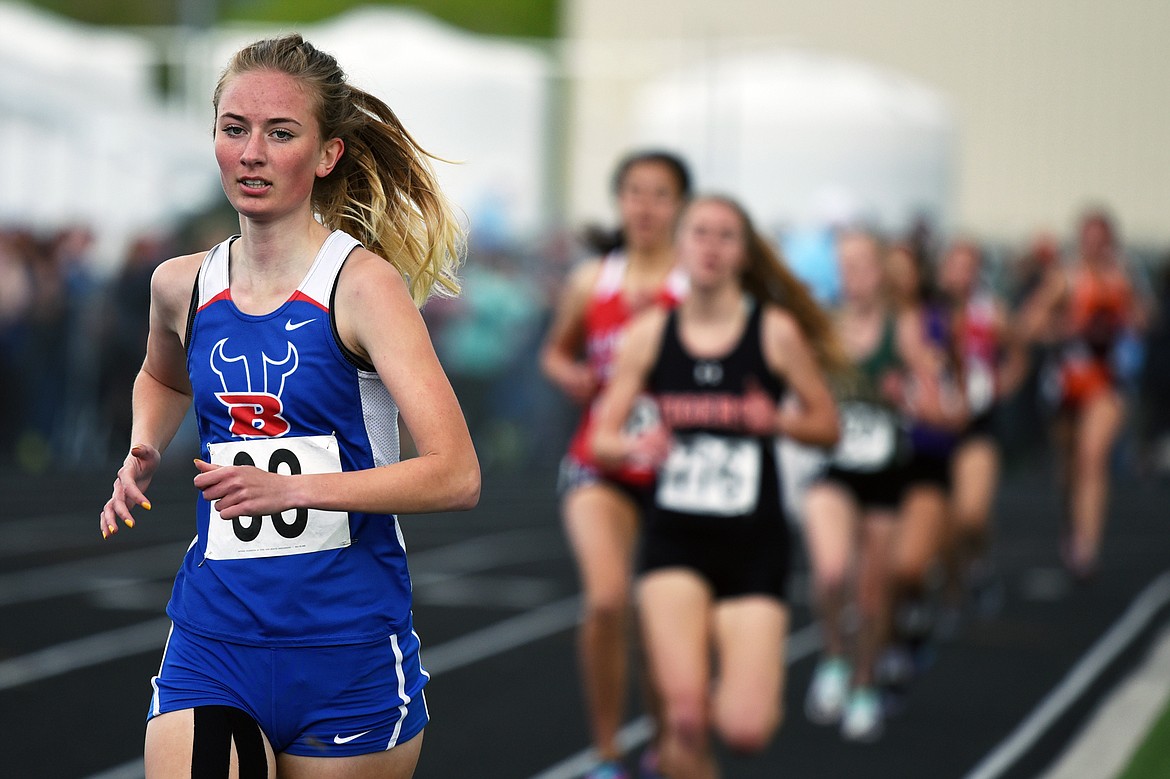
(715, 544)
(717, 504)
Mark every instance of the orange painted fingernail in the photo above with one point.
(145, 504)
(129, 523)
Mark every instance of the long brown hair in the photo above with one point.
(766, 277)
(382, 190)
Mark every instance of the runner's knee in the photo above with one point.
(686, 719)
(748, 732)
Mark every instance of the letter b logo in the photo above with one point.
(254, 414)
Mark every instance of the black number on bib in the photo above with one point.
(300, 515)
(292, 529)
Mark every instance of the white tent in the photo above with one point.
(90, 141)
(803, 138)
(86, 140)
(473, 100)
(477, 102)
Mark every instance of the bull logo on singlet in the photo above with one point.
(252, 397)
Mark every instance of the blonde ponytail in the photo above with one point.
(383, 190)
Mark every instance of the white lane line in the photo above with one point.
(433, 565)
(1108, 741)
(480, 552)
(502, 636)
(145, 636)
(53, 581)
(82, 653)
(495, 591)
(131, 769)
(635, 733)
(506, 547)
(632, 735)
(1143, 608)
(443, 658)
(50, 532)
(465, 556)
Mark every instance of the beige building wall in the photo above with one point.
(1058, 103)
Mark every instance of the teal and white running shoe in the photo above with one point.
(862, 720)
(825, 702)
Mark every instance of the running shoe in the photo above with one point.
(862, 720)
(610, 769)
(828, 692)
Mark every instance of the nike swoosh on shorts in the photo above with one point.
(339, 739)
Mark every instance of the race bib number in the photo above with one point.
(869, 437)
(708, 474)
(293, 531)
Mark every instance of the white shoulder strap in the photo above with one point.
(613, 272)
(678, 283)
(319, 281)
(213, 273)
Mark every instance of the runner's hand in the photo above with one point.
(130, 488)
(242, 490)
(649, 448)
(580, 384)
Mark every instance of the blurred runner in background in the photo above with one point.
(602, 507)
(715, 559)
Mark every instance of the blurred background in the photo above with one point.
(998, 120)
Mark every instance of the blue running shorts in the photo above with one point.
(317, 701)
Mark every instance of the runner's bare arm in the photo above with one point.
(634, 360)
(787, 352)
(162, 390)
(561, 355)
(1015, 361)
(926, 364)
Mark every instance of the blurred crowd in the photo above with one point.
(1014, 275)
(70, 343)
(72, 336)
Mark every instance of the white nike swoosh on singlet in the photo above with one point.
(290, 326)
(339, 739)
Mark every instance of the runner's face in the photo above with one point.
(649, 202)
(861, 269)
(903, 274)
(268, 145)
(711, 245)
(1095, 239)
(960, 271)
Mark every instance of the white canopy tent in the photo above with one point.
(477, 102)
(86, 141)
(89, 140)
(804, 138)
